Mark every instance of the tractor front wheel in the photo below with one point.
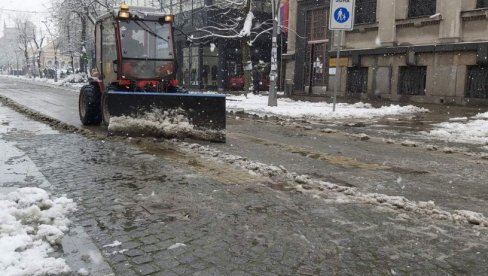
(89, 106)
(105, 112)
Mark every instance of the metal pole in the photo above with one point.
(312, 69)
(338, 72)
(272, 97)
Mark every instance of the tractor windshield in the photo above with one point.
(147, 49)
(145, 40)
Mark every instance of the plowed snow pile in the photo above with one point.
(160, 123)
(257, 104)
(472, 130)
(30, 224)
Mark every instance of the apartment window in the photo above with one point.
(418, 8)
(365, 11)
(477, 82)
(482, 4)
(412, 80)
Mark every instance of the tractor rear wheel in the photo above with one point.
(89, 106)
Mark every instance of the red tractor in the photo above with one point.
(136, 72)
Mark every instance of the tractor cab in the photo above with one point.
(136, 50)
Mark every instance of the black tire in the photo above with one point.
(105, 112)
(89, 106)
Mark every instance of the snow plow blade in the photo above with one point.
(180, 115)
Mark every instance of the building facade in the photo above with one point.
(432, 51)
(52, 52)
(11, 58)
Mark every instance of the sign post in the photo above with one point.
(341, 19)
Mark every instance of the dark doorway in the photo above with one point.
(412, 80)
(357, 80)
(477, 82)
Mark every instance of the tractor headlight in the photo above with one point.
(124, 12)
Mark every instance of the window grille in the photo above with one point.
(317, 24)
(412, 80)
(477, 82)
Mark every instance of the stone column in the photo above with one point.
(387, 27)
(450, 28)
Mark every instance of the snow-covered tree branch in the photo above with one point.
(236, 20)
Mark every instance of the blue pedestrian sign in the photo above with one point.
(341, 15)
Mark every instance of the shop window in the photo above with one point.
(210, 65)
(412, 80)
(418, 8)
(357, 80)
(480, 4)
(365, 11)
(477, 82)
(190, 66)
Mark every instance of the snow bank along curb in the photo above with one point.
(30, 224)
(288, 108)
(315, 188)
(35, 115)
(62, 83)
(473, 130)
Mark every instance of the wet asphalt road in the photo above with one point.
(234, 223)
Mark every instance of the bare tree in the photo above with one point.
(26, 29)
(78, 17)
(55, 42)
(235, 20)
(36, 46)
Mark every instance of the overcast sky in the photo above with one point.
(30, 6)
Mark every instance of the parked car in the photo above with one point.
(236, 83)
